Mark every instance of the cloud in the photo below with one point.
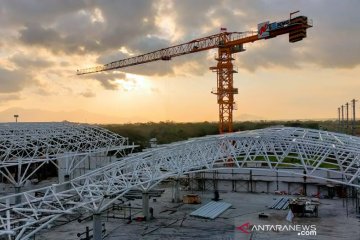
(123, 25)
(16, 12)
(51, 39)
(100, 28)
(332, 43)
(267, 56)
(111, 56)
(155, 90)
(88, 94)
(9, 97)
(30, 62)
(44, 91)
(316, 49)
(14, 80)
(106, 79)
(80, 31)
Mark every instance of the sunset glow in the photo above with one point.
(42, 44)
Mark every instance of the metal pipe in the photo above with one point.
(32, 233)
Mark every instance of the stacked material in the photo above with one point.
(211, 210)
(281, 203)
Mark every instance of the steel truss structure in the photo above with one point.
(274, 148)
(26, 147)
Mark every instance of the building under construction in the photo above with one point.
(76, 181)
(142, 189)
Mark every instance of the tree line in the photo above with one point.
(167, 132)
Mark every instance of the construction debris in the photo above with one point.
(301, 206)
(191, 199)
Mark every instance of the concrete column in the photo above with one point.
(8, 236)
(18, 198)
(97, 229)
(61, 170)
(67, 179)
(215, 180)
(177, 197)
(251, 181)
(304, 184)
(289, 188)
(145, 205)
(233, 182)
(358, 198)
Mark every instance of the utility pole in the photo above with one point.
(16, 117)
(339, 123)
(342, 118)
(354, 117)
(347, 117)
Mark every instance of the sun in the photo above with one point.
(133, 82)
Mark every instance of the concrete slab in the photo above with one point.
(173, 221)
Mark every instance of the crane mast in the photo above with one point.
(227, 43)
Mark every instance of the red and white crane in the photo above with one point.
(227, 44)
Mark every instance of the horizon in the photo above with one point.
(11, 119)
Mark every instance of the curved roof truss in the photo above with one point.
(277, 149)
(28, 143)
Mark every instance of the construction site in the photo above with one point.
(65, 180)
(214, 187)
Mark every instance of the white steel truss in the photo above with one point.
(277, 149)
(26, 147)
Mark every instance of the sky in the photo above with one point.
(44, 42)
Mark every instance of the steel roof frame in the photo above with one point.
(311, 150)
(24, 144)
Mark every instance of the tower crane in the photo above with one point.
(227, 43)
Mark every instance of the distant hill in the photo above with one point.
(248, 117)
(38, 115)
